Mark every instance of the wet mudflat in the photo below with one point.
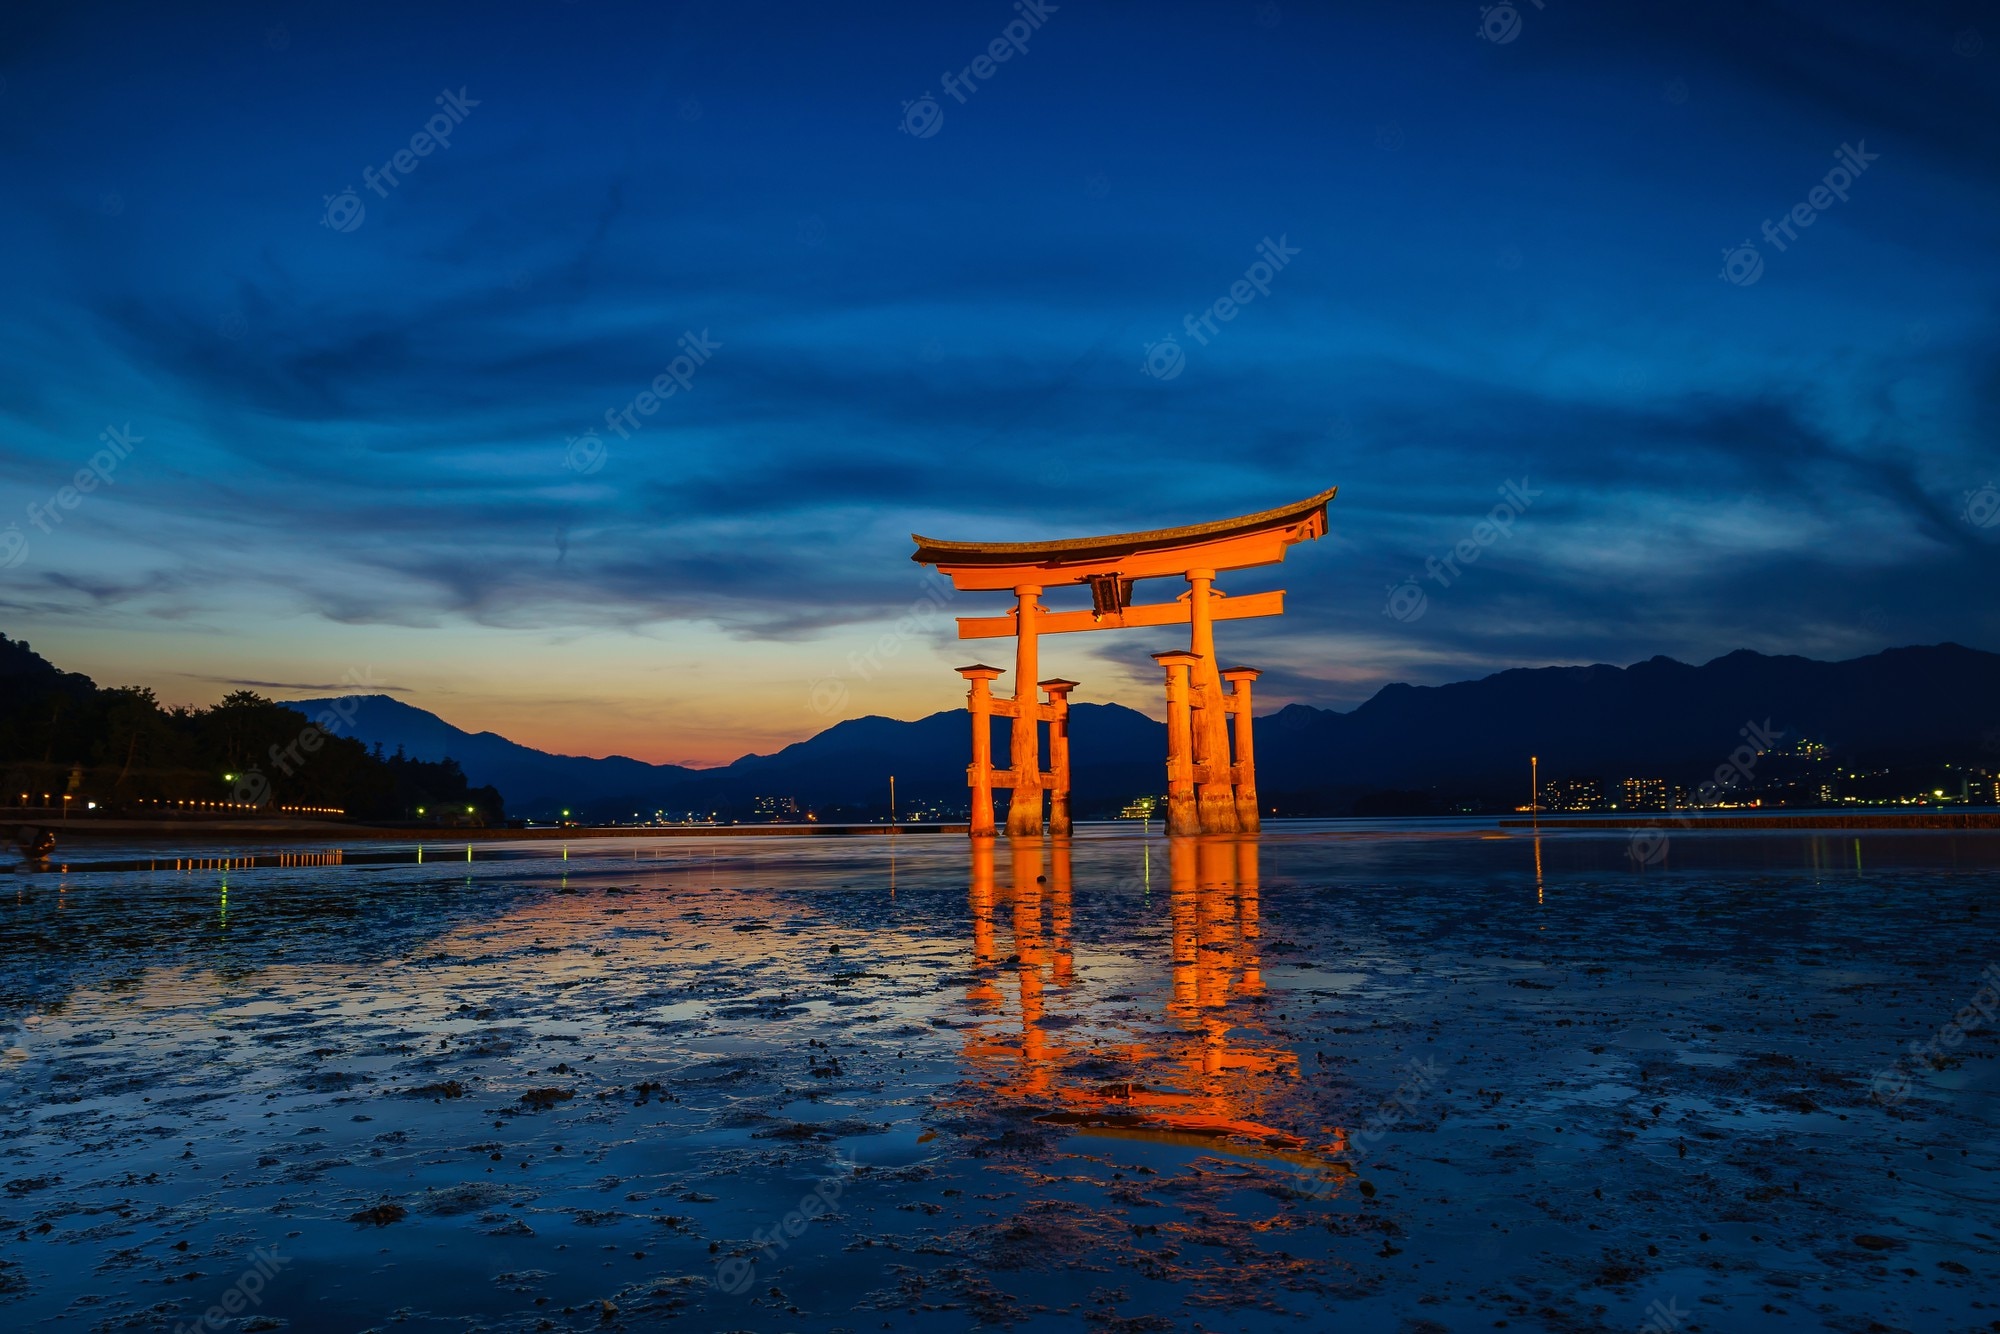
(1397, 1079)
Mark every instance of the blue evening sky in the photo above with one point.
(361, 415)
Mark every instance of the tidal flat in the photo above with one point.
(1401, 1077)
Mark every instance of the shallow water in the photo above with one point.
(1400, 1077)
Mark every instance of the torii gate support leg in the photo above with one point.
(1024, 813)
(1247, 818)
(1182, 815)
(979, 774)
(1217, 797)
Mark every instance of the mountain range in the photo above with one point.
(1471, 740)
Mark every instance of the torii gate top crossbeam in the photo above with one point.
(1227, 544)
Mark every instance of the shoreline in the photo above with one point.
(1883, 820)
(176, 831)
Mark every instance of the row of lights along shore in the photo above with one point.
(209, 805)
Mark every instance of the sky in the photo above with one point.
(362, 424)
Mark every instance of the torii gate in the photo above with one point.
(1206, 793)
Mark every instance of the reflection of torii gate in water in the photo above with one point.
(1206, 793)
(1216, 1076)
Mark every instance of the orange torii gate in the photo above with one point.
(1206, 793)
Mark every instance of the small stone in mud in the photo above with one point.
(451, 1088)
(1869, 1241)
(1367, 1188)
(380, 1215)
(542, 1099)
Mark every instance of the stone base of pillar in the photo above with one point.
(1024, 813)
(1217, 804)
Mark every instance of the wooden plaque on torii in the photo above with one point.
(1207, 792)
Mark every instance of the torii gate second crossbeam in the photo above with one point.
(1206, 792)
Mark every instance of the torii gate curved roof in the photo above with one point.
(1226, 544)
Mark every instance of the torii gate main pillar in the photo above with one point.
(1024, 813)
(1217, 794)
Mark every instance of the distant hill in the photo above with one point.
(1472, 739)
(1115, 748)
(534, 781)
(1659, 718)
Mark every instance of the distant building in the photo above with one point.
(1140, 808)
(1645, 794)
(1572, 794)
(775, 808)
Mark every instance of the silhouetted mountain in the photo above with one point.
(1658, 718)
(534, 781)
(846, 765)
(1469, 740)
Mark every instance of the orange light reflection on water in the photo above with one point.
(1214, 1072)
